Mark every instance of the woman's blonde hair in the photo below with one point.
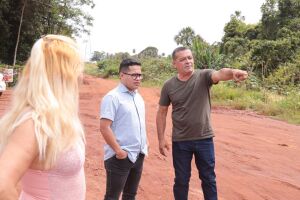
(48, 93)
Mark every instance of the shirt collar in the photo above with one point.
(124, 89)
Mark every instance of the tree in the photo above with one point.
(267, 55)
(185, 37)
(149, 52)
(39, 18)
(235, 27)
(269, 19)
(280, 29)
(288, 11)
(98, 56)
(206, 56)
(237, 36)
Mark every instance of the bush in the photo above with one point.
(285, 79)
(109, 67)
(91, 69)
(157, 70)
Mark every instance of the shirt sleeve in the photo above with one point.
(164, 99)
(108, 107)
(208, 73)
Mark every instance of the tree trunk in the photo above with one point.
(19, 32)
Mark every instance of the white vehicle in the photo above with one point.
(2, 84)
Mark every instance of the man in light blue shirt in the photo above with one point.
(122, 125)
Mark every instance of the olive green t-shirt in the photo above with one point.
(190, 105)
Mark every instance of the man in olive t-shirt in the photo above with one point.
(189, 94)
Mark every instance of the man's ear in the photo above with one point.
(173, 65)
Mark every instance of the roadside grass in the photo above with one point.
(91, 69)
(264, 102)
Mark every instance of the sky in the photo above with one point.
(124, 25)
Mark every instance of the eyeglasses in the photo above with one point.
(134, 76)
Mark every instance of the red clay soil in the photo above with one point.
(257, 158)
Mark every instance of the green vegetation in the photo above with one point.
(265, 102)
(91, 69)
(268, 50)
(229, 94)
(157, 70)
(23, 22)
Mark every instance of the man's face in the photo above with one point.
(184, 62)
(132, 78)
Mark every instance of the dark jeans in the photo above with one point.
(183, 152)
(122, 176)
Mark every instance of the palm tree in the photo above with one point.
(185, 37)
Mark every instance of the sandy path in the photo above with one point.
(257, 158)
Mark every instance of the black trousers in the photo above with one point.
(123, 176)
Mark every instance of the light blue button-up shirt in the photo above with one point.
(126, 110)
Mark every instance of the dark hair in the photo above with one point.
(126, 63)
(178, 49)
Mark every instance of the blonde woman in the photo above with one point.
(41, 136)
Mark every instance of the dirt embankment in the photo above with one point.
(257, 158)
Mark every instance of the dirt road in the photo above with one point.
(257, 158)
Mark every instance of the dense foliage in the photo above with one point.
(38, 18)
(268, 50)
